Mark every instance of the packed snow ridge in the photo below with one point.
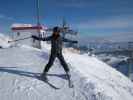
(92, 79)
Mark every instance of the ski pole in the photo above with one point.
(19, 39)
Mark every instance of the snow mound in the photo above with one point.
(113, 60)
(92, 79)
(4, 41)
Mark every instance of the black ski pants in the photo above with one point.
(51, 61)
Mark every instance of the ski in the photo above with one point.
(51, 85)
(68, 78)
(47, 82)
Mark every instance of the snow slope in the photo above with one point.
(93, 79)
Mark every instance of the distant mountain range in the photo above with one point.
(118, 37)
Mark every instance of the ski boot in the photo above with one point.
(44, 76)
(68, 75)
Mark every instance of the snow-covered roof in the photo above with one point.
(21, 25)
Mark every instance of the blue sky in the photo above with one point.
(89, 17)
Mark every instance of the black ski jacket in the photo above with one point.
(56, 44)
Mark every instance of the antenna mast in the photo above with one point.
(38, 22)
(38, 12)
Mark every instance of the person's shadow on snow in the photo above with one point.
(13, 70)
(44, 55)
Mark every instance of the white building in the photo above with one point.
(21, 31)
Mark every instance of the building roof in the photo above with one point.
(17, 27)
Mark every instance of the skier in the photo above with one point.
(56, 51)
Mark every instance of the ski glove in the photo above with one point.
(75, 41)
(34, 37)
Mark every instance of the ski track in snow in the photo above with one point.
(19, 67)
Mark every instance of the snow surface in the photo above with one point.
(4, 41)
(93, 79)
